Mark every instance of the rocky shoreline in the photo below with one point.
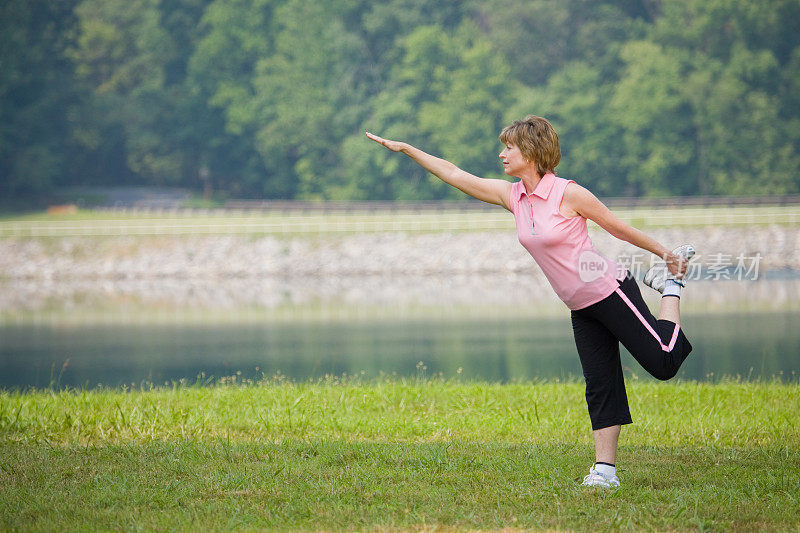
(218, 257)
(459, 268)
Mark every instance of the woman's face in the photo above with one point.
(513, 160)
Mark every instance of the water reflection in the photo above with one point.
(211, 300)
(753, 346)
(495, 327)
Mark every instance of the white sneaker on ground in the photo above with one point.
(596, 479)
(658, 274)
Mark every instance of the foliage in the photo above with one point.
(270, 98)
(37, 95)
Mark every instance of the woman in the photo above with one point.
(605, 302)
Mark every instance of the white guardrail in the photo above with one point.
(225, 223)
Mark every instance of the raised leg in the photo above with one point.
(670, 309)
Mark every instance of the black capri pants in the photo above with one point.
(658, 345)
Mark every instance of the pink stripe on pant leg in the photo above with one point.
(674, 338)
(648, 326)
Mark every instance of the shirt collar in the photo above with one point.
(542, 189)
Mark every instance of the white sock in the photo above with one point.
(606, 469)
(672, 288)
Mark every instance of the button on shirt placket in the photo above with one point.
(530, 203)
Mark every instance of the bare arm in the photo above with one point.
(492, 191)
(586, 204)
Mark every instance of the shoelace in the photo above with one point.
(594, 474)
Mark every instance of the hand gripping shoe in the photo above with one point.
(658, 274)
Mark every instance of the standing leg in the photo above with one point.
(605, 444)
(606, 399)
(598, 350)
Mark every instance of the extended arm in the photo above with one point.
(586, 204)
(493, 191)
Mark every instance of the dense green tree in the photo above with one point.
(538, 38)
(695, 107)
(735, 52)
(270, 98)
(121, 54)
(588, 127)
(132, 55)
(37, 95)
(306, 97)
(235, 35)
(651, 107)
(449, 94)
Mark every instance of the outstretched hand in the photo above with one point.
(394, 146)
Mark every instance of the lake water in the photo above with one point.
(750, 345)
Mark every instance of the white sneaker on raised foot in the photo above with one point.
(596, 479)
(658, 274)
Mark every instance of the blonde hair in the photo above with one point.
(536, 139)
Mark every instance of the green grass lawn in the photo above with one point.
(396, 454)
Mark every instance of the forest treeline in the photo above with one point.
(270, 98)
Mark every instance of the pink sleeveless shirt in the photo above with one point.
(561, 246)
